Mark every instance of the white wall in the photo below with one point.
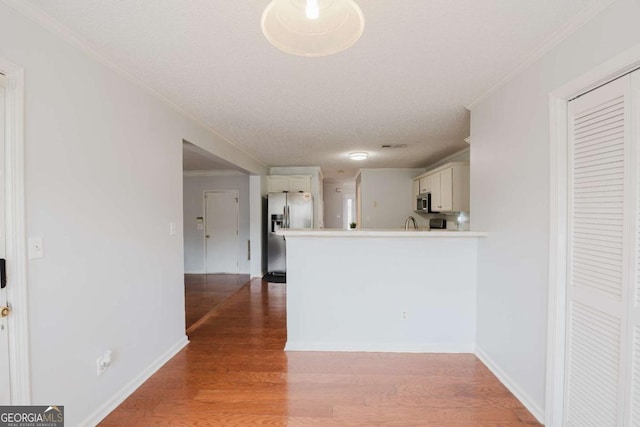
(334, 201)
(510, 198)
(194, 188)
(433, 279)
(103, 181)
(387, 197)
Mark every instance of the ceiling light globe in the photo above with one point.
(359, 155)
(288, 26)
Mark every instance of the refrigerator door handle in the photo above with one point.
(284, 216)
(288, 216)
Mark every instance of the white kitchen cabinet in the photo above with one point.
(277, 184)
(450, 189)
(448, 185)
(291, 183)
(436, 192)
(299, 183)
(446, 190)
(425, 185)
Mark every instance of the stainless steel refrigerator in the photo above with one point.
(285, 210)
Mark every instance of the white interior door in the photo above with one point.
(5, 386)
(221, 232)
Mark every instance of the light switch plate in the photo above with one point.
(36, 248)
(172, 228)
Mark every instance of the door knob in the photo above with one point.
(4, 311)
(207, 236)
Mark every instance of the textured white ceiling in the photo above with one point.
(406, 81)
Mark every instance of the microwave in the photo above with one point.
(423, 203)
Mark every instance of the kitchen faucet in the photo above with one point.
(409, 219)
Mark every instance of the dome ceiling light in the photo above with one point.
(312, 27)
(358, 155)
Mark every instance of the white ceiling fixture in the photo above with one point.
(358, 155)
(312, 27)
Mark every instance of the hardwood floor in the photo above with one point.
(235, 373)
(203, 292)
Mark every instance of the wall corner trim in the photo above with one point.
(508, 382)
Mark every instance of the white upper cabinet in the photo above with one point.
(425, 185)
(300, 183)
(449, 187)
(291, 183)
(277, 184)
(436, 192)
(446, 190)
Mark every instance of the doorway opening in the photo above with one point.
(216, 229)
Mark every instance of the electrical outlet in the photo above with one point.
(404, 314)
(103, 362)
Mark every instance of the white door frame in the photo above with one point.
(236, 193)
(558, 221)
(18, 326)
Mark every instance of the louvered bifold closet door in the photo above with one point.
(598, 261)
(633, 365)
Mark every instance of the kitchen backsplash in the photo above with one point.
(423, 220)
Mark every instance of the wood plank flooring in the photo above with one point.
(234, 372)
(203, 292)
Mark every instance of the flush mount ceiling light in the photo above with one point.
(312, 27)
(358, 155)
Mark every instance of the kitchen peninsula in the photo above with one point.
(381, 290)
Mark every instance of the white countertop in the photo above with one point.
(327, 232)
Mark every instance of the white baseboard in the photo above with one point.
(381, 348)
(203, 272)
(131, 386)
(528, 403)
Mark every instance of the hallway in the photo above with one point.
(204, 292)
(235, 373)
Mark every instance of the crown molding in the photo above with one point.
(43, 19)
(447, 159)
(225, 172)
(547, 45)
